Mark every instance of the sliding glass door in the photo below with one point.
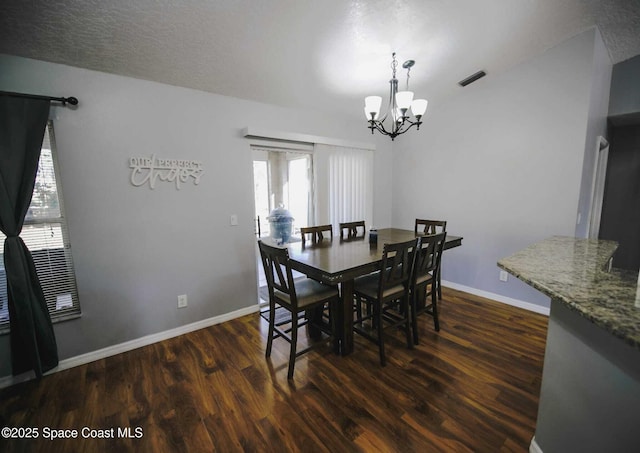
(282, 178)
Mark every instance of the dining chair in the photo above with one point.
(317, 234)
(425, 270)
(295, 296)
(423, 226)
(381, 290)
(352, 230)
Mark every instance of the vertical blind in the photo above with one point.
(344, 181)
(46, 236)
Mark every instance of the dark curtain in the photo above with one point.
(22, 127)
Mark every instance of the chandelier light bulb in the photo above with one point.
(403, 99)
(372, 105)
(368, 114)
(419, 106)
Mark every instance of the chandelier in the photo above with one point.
(399, 104)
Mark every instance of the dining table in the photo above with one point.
(342, 261)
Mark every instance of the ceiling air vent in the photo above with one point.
(472, 78)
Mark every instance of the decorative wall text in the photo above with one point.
(150, 169)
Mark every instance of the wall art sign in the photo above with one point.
(150, 169)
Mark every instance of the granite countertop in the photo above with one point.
(575, 272)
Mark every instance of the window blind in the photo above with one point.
(344, 178)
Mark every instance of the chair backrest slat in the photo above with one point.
(353, 230)
(277, 269)
(424, 226)
(317, 233)
(429, 254)
(397, 265)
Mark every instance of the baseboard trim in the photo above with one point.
(497, 297)
(109, 351)
(534, 447)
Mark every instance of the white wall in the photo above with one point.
(135, 249)
(502, 163)
(596, 126)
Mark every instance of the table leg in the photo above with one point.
(346, 315)
(315, 319)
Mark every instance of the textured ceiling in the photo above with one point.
(325, 55)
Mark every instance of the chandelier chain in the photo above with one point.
(394, 65)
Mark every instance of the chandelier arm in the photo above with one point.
(379, 126)
(396, 129)
(411, 124)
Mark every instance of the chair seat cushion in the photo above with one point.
(422, 279)
(367, 286)
(309, 292)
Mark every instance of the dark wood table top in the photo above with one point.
(338, 261)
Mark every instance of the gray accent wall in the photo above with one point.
(620, 219)
(502, 162)
(590, 392)
(625, 88)
(136, 249)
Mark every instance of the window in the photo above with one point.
(45, 234)
(282, 176)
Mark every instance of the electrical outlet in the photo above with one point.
(504, 276)
(182, 301)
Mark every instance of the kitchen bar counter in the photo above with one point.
(576, 273)
(590, 390)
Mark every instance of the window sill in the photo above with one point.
(63, 318)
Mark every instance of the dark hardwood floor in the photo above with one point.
(473, 386)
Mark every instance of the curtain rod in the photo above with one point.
(71, 100)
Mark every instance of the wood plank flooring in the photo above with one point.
(473, 386)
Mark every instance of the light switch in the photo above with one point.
(234, 219)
